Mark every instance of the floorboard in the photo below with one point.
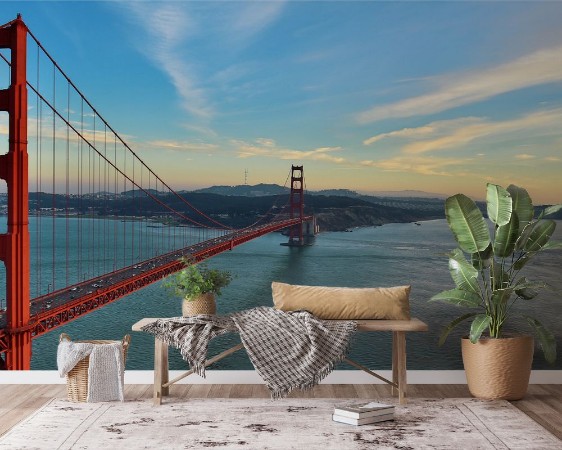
(543, 403)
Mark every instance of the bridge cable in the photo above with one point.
(116, 134)
(53, 187)
(84, 99)
(37, 182)
(261, 219)
(67, 186)
(81, 135)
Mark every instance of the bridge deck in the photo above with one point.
(60, 307)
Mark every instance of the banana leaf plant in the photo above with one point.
(487, 265)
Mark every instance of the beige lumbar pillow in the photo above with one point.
(333, 303)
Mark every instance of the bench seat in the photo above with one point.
(399, 328)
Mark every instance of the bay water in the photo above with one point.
(389, 255)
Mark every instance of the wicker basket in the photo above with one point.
(77, 378)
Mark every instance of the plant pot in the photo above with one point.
(498, 368)
(204, 304)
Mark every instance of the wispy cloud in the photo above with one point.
(453, 90)
(251, 18)
(184, 146)
(42, 128)
(405, 132)
(456, 133)
(315, 56)
(266, 142)
(268, 148)
(455, 136)
(424, 165)
(168, 25)
(172, 27)
(525, 156)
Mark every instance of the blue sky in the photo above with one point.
(370, 96)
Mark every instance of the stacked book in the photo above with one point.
(363, 413)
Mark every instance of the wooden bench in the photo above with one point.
(399, 328)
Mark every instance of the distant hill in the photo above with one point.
(244, 190)
(135, 193)
(407, 193)
(337, 193)
(404, 206)
(240, 206)
(263, 189)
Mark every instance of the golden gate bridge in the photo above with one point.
(91, 204)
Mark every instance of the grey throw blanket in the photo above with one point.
(105, 369)
(288, 350)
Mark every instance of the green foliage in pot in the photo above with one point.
(197, 279)
(486, 268)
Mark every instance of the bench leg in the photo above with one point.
(160, 370)
(394, 365)
(399, 365)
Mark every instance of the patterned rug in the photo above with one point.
(282, 424)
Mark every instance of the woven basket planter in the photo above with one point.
(77, 378)
(498, 368)
(204, 304)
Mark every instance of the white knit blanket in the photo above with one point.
(105, 370)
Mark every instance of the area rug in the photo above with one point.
(283, 424)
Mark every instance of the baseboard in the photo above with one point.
(252, 377)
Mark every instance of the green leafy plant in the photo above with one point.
(486, 268)
(197, 279)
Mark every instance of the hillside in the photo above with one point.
(367, 210)
(333, 212)
(243, 190)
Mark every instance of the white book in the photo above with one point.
(360, 410)
(363, 415)
(362, 421)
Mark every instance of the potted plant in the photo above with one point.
(197, 285)
(487, 271)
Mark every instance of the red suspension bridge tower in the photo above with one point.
(296, 204)
(301, 233)
(14, 245)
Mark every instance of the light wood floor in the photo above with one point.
(543, 402)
